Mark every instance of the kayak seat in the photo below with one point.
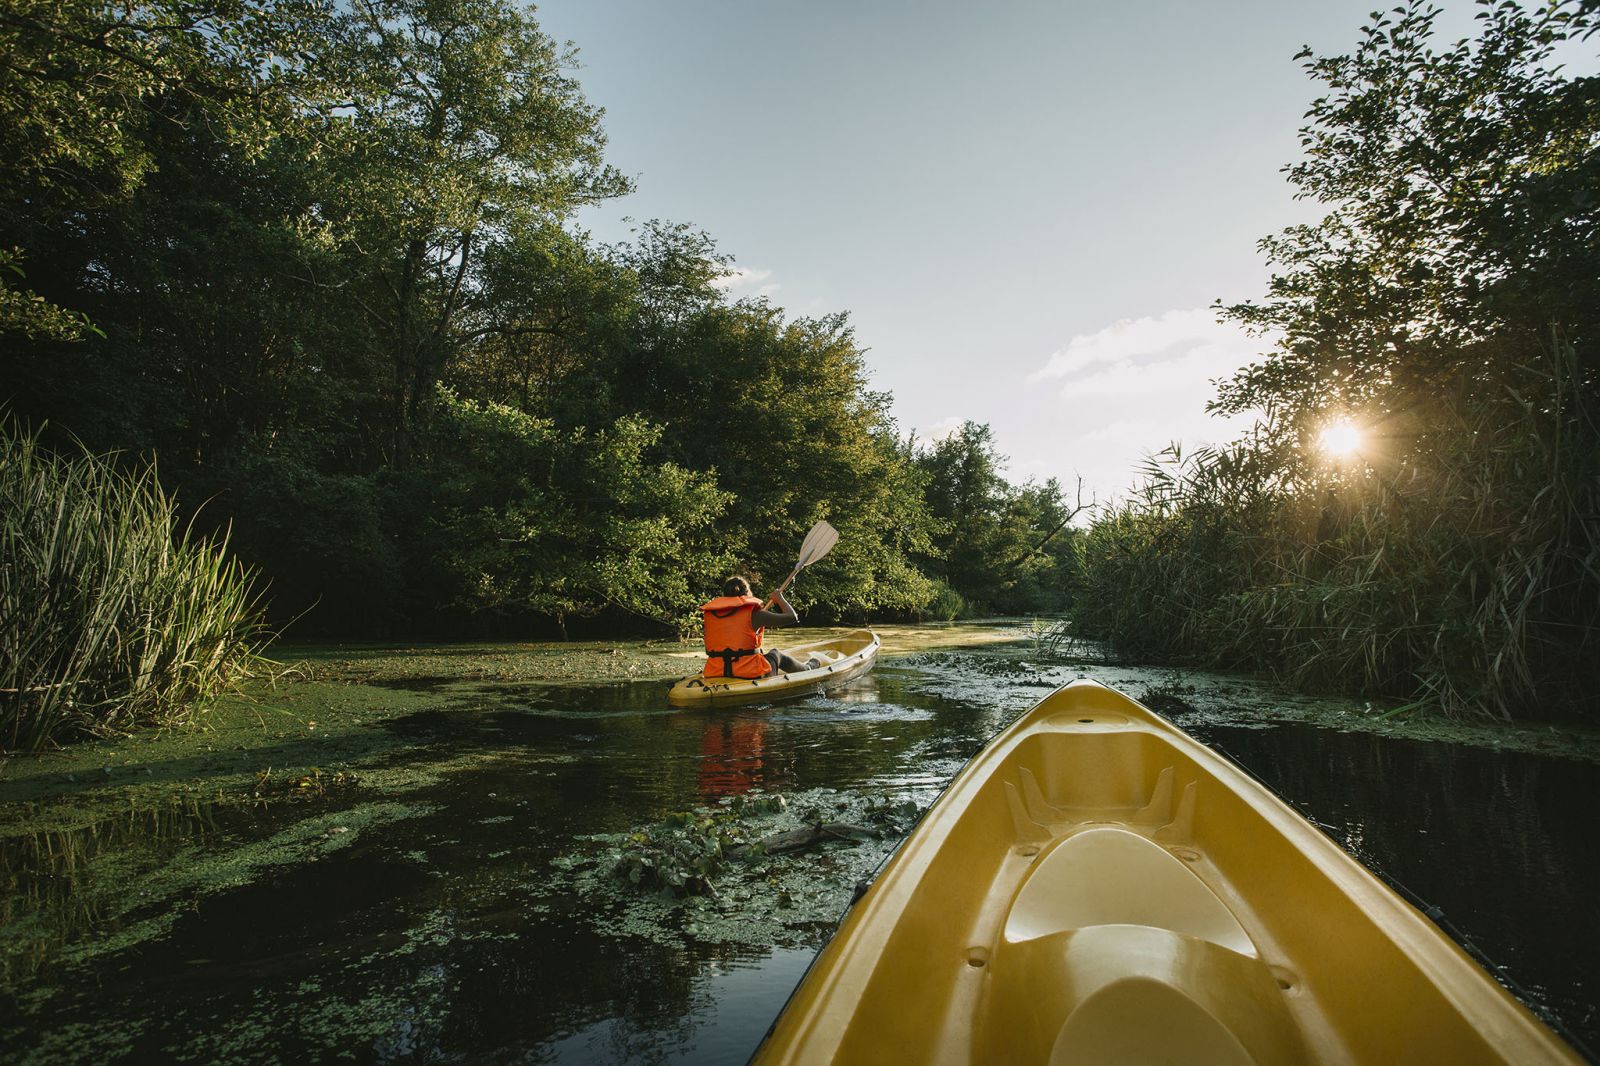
(1109, 876)
(1141, 1020)
(1114, 951)
(1130, 994)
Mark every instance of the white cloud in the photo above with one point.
(1137, 385)
(741, 283)
(1138, 338)
(941, 429)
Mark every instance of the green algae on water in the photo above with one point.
(114, 898)
(710, 881)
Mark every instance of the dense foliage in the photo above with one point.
(1446, 306)
(320, 259)
(997, 547)
(109, 617)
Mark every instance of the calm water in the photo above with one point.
(444, 937)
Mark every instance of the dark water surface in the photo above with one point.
(444, 936)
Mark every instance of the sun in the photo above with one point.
(1340, 439)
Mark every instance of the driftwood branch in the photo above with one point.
(1078, 508)
(805, 837)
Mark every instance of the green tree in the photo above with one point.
(530, 519)
(1462, 217)
(464, 136)
(999, 547)
(83, 81)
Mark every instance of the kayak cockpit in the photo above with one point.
(1097, 887)
(840, 659)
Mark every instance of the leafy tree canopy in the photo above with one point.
(1463, 214)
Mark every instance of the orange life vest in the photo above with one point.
(732, 643)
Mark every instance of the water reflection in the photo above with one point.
(731, 756)
(58, 886)
(446, 937)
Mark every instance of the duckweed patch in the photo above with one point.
(79, 896)
(755, 870)
(435, 667)
(1013, 677)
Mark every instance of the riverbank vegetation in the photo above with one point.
(1417, 514)
(109, 616)
(323, 263)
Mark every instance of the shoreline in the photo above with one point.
(330, 707)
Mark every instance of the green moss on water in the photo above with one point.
(106, 845)
(69, 1041)
(118, 897)
(1016, 676)
(439, 665)
(753, 900)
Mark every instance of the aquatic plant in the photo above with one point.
(110, 614)
(685, 849)
(684, 853)
(1459, 565)
(1055, 638)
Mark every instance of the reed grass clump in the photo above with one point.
(1456, 565)
(111, 615)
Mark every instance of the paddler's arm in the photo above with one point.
(764, 619)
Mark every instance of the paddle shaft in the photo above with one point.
(819, 542)
(786, 583)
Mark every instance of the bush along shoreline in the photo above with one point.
(112, 616)
(1416, 514)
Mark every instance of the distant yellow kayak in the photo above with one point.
(840, 660)
(1096, 887)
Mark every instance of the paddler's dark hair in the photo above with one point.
(737, 585)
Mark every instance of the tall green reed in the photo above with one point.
(111, 616)
(1457, 564)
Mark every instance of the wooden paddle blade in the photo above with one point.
(818, 542)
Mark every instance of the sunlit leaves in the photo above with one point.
(1459, 183)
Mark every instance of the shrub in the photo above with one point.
(110, 615)
(1458, 563)
(947, 604)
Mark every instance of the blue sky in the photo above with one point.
(1026, 208)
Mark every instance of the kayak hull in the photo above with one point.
(1096, 886)
(848, 657)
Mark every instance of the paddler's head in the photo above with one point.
(736, 585)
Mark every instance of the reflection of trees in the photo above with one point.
(1502, 841)
(561, 983)
(55, 887)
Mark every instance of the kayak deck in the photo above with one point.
(842, 659)
(1098, 887)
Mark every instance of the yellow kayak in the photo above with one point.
(839, 660)
(1097, 887)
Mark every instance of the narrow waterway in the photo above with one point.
(474, 918)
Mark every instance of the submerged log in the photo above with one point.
(793, 840)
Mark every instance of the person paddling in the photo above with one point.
(734, 625)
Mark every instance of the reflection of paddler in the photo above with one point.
(734, 625)
(732, 756)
